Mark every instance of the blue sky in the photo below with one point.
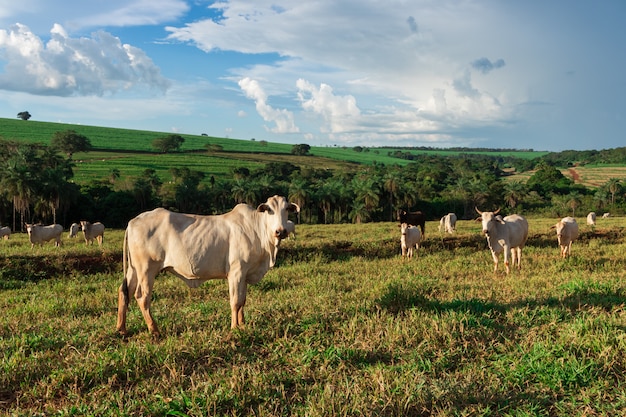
(546, 75)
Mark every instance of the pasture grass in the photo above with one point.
(342, 326)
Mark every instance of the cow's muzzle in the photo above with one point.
(281, 233)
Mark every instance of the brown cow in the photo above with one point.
(416, 218)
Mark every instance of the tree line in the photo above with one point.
(36, 186)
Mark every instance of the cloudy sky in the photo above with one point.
(547, 75)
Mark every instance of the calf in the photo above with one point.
(591, 219)
(566, 233)
(411, 238)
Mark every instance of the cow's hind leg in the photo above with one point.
(122, 307)
(143, 295)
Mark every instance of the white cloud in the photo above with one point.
(282, 118)
(339, 112)
(66, 66)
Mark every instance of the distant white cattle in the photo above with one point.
(39, 234)
(591, 219)
(566, 233)
(606, 215)
(506, 235)
(92, 231)
(291, 229)
(239, 246)
(5, 232)
(74, 228)
(448, 223)
(410, 239)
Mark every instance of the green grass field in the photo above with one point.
(130, 151)
(342, 326)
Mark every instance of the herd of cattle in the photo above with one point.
(241, 246)
(38, 234)
(506, 235)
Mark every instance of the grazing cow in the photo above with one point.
(606, 215)
(566, 233)
(448, 223)
(591, 219)
(415, 218)
(291, 229)
(5, 232)
(38, 233)
(411, 238)
(74, 228)
(239, 246)
(506, 235)
(92, 231)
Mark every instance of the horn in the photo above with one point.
(497, 211)
(478, 211)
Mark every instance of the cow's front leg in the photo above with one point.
(495, 261)
(507, 259)
(237, 288)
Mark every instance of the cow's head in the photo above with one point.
(29, 227)
(278, 209)
(403, 228)
(560, 226)
(489, 220)
(401, 215)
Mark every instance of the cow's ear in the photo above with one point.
(264, 207)
(293, 208)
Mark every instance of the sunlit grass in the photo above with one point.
(342, 326)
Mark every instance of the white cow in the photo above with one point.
(38, 233)
(74, 228)
(506, 235)
(5, 232)
(291, 229)
(606, 215)
(92, 231)
(591, 219)
(239, 246)
(411, 238)
(448, 223)
(566, 233)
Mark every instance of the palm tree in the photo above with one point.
(514, 193)
(613, 186)
(17, 183)
(391, 184)
(573, 202)
(299, 194)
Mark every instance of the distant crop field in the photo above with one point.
(592, 176)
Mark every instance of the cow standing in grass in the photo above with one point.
(506, 235)
(566, 233)
(37, 234)
(92, 231)
(5, 232)
(410, 239)
(416, 218)
(239, 246)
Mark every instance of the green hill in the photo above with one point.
(131, 152)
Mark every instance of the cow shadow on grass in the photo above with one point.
(398, 298)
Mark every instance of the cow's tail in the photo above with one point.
(125, 264)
